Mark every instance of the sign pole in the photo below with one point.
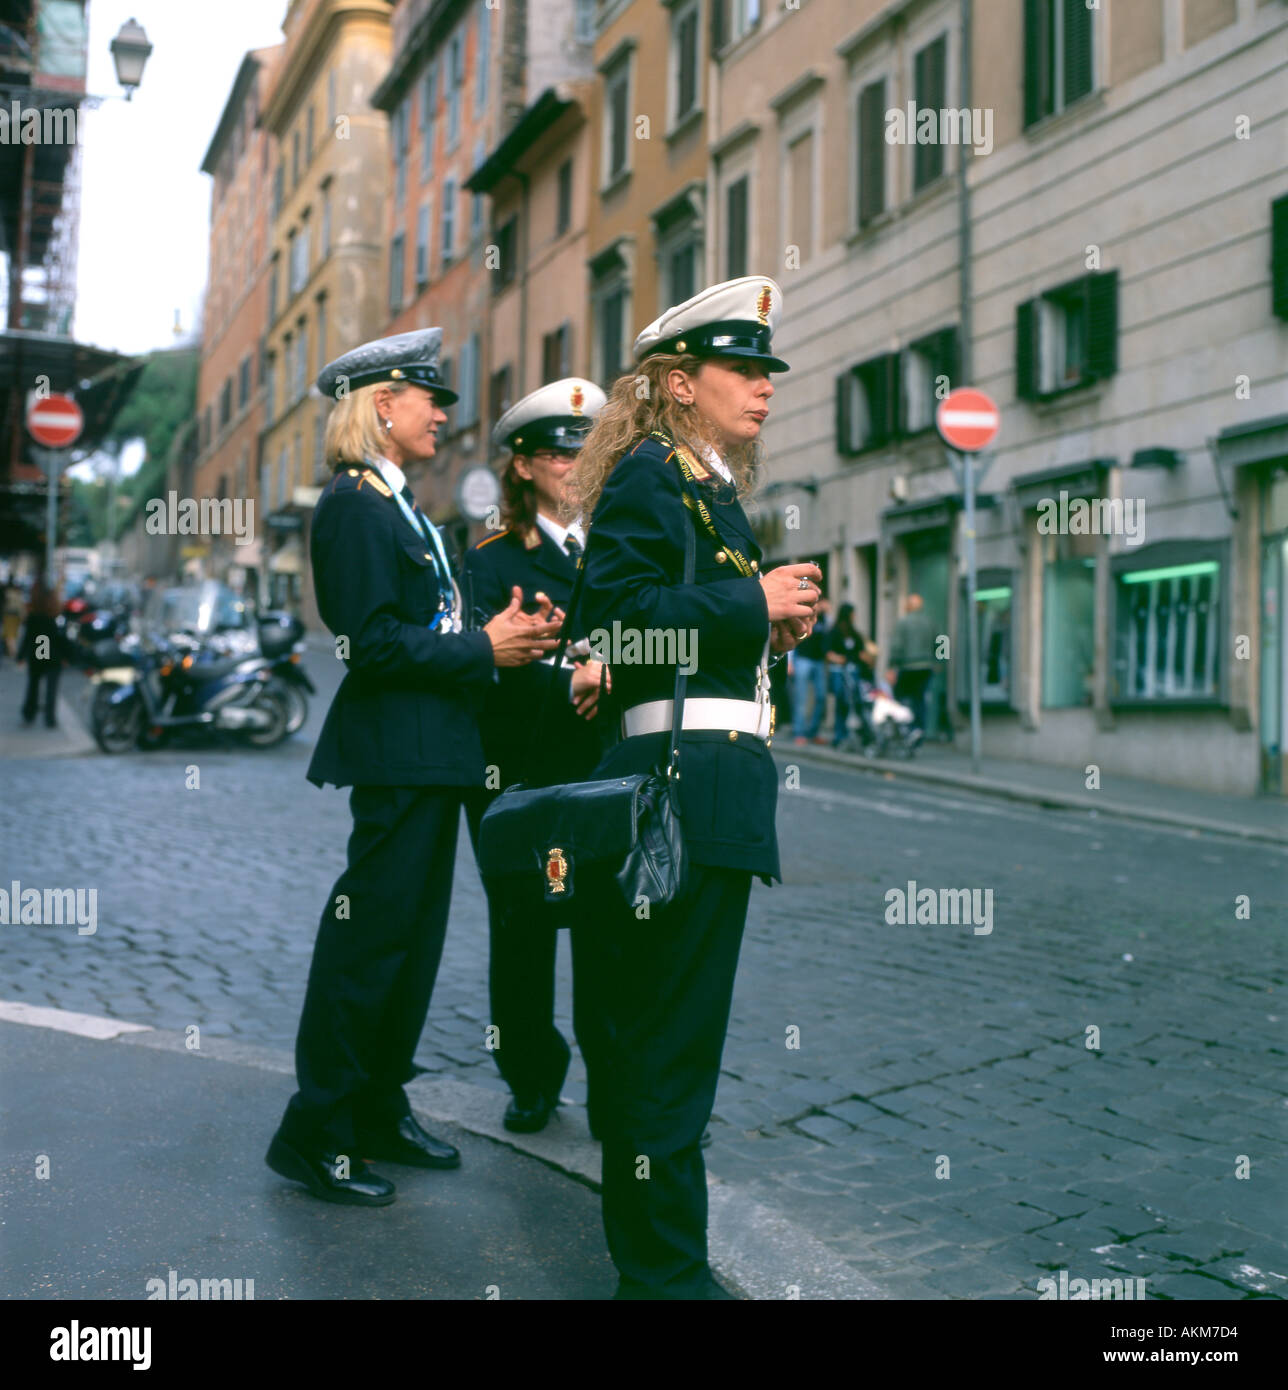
(972, 611)
(51, 461)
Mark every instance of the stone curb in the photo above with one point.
(754, 1249)
(1010, 791)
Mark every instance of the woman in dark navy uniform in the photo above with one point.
(680, 454)
(402, 733)
(537, 553)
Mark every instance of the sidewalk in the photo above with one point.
(18, 740)
(1260, 818)
(156, 1163)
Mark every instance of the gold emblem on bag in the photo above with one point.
(556, 871)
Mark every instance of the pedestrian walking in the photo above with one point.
(912, 658)
(11, 618)
(848, 658)
(42, 646)
(402, 732)
(809, 677)
(537, 553)
(676, 447)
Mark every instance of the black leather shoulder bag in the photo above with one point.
(534, 841)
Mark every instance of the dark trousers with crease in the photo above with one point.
(378, 946)
(532, 1055)
(660, 991)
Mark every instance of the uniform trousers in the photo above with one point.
(378, 946)
(532, 1054)
(660, 991)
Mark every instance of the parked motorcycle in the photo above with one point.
(148, 689)
(281, 642)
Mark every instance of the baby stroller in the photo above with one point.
(877, 724)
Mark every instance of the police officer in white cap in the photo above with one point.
(402, 732)
(676, 447)
(537, 552)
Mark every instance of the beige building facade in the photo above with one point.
(327, 268)
(1113, 271)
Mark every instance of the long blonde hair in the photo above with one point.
(353, 432)
(638, 404)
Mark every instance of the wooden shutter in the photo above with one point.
(872, 105)
(1077, 20)
(1027, 383)
(1102, 325)
(718, 30)
(882, 381)
(948, 356)
(930, 93)
(1279, 256)
(844, 424)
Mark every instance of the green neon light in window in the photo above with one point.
(983, 595)
(1171, 572)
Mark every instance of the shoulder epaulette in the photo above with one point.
(369, 475)
(487, 540)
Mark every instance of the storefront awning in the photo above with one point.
(1084, 479)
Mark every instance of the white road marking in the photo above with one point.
(65, 1021)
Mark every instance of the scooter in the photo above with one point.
(147, 690)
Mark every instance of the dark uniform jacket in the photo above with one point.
(635, 570)
(569, 746)
(404, 713)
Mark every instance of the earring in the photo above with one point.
(389, 424)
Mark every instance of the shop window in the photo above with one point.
(1167, 631)
(994, 603)
(1068, 620)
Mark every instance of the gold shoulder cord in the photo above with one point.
(696, 504)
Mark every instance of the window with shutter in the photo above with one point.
(1279, 256)
(871, 148)
(1059, 57)
(736, 229)
(930, 94)
(867, 404)
(926, 362)
(1067, 337)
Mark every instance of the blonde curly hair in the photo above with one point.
(638, 404)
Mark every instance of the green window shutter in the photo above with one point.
(1102, 325)
(1077, 50)
(1035, 46)
(1279, 256)
(929, 92)
(844, 442)
(884, 398)
(948, 356)
(1026, 350)
(872, 105)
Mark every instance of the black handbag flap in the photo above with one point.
(586, 821)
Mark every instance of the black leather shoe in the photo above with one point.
(362, 1188)
(526, 1115)
(411, 1145)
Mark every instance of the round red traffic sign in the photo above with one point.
(967, 419)
(56, 422)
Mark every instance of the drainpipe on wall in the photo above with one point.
(521, 388)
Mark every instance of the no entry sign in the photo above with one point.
(967, 420)
(56, 422)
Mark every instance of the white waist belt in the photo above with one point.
(746, 716)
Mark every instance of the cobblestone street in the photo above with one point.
(943, 1124)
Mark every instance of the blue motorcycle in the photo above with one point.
(148, 690)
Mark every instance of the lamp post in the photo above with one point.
(130, 50)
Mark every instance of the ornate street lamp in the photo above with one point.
(130, 50)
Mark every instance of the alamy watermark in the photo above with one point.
(173, 515)
(650, 646)
(1064, 1287)
(54, 907)
(930, 907)
(953, 125)
(39, 125)
(1092, 516)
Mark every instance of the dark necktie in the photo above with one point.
(572, 545)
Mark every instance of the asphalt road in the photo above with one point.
(1088, 1076)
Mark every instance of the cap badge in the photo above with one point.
(577, 399)
(763, 301)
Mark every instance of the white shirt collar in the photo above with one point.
(710, 456)
(391, 473)
(558, 533)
